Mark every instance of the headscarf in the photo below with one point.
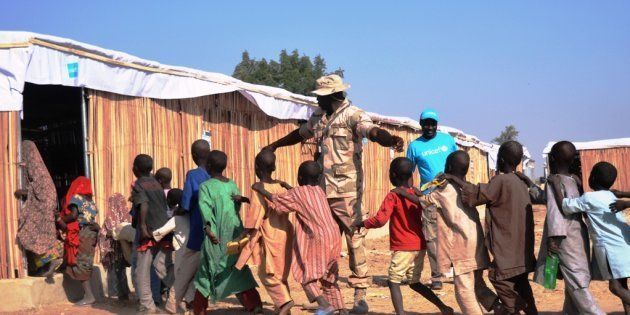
(80, 186)
(117, 213)
(36, 229)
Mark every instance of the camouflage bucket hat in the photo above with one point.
(330, 84)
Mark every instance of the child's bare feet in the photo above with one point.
(446, 310)
(286, 308)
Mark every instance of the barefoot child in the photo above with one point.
(460, 239)
(510, 228)
(317, 242)
(566, 235)
(270, 237)
(405, 237)
(609, 231)
(217, 277)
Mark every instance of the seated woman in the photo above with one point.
(78, 220)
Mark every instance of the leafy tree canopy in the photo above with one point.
(291, 72)
(508, 134)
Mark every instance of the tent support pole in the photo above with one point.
(86, 161)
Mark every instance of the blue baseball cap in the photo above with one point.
(429, 113)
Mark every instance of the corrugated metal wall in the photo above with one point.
(11, 264)
(619, 157)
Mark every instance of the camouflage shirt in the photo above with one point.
(339, 143)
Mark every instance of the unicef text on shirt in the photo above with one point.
(435, 151)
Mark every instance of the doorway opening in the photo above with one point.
(53, 120)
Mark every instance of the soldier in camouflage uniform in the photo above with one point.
(339, 128)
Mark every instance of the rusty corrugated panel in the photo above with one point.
(11, 264)
(618, 157)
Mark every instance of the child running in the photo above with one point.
(510, 228)
(217, 277)
(609, 231)
(566, 235)
(271, 235)
(317, 242)
(405, 237)
(460, 239)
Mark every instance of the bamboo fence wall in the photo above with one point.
(120, 127)
(11, 265)
(616, 156)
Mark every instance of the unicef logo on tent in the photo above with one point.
(73, 70)
(444, 148)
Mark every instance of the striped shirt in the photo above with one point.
(317, 241)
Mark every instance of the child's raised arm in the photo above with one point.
(619, 205)
(415, 198)
(260, 188)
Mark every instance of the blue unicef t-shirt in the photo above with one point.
(430, 155)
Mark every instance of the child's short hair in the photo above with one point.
(174, 197)
(217, 161)
(603, 174)
(265, 158)
(309, 169)
(458, 162)
(164, 173)
(403, 167)
(511, 152)
(143, 163)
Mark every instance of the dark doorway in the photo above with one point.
(52, 119)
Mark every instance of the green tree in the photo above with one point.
(292, 72)
(509, 133)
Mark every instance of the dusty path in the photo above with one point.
(548, 302)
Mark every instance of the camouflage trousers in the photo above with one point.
(347, 211)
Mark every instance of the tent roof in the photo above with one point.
(45, 59)
(593, 145)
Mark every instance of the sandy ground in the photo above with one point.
(548, 302)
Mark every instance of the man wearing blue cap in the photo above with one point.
(429, 153)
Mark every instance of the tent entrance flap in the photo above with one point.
(53, 119)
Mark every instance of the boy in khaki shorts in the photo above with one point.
(405, 237)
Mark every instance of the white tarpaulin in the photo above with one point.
(592, 145)
(42, 59)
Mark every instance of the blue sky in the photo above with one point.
(556, 70)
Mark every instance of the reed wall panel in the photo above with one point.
(618, 157)
(122, 127)
(11, 262)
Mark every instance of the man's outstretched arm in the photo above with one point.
(384, 138)
(294, 137)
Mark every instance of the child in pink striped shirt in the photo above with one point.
(317, 241)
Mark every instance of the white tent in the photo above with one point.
(45, 59)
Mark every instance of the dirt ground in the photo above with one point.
(548, 302)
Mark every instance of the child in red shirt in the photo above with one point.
(405, 237)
